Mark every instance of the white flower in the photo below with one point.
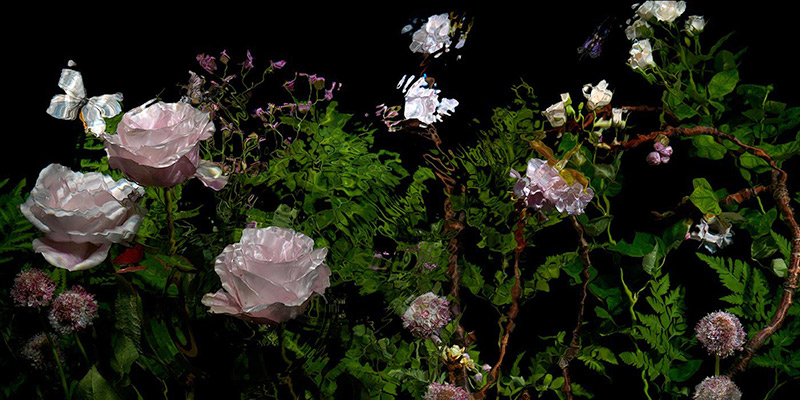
(665, 11)
(721, 236)
(638, 29)
(432, 36)
(695, 24)
(641, 55)
(597, 96)
(557, 113)
(422, 102)
(617, 119)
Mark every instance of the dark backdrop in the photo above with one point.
(144, 50)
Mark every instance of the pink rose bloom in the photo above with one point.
(268, 276)
(157, 144)
(81, 215)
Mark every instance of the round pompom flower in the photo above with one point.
(721, 333)
(158, 144)
(427, 315)
(445, 391)
(38, 352)
(81, 215)
(32, 288)
(269, 276)
(73, 310)
(717, 388)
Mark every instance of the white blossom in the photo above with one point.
(597, 96)
(433, 36)
(641, 55)
(695, 24)
(556, 114)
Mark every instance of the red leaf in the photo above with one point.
(132, 255)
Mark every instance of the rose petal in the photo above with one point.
(210, 174)
(71, 256)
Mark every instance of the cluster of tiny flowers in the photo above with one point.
(427, 315)
(73, 310)
(37, 351)
(207, 62)
(661, 154)
(544, 188)
(721, 333)
(445, 391)
(717, 388)
(32, 288)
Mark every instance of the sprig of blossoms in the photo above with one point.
(427, 315)
(543, 188)
(32, 288)
(663, 11)
(720, 333)
(717, 388)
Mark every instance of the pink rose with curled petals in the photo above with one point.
(158, 144)
(268, 276)
(81, 215)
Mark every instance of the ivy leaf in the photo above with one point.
(703, 197)
(642, 245)
(681, 372)
(723, 83)
(706, 147)
(779, 267)
(754, 163)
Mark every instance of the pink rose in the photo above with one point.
(157, 144)
(81, 215)
(268, 276)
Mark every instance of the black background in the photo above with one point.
(142, 50)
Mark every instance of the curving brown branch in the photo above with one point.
(781, 195)
(516, 291)
(575, 346)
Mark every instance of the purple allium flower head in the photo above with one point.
(427, 315)
(207, 62)
(37, 351)
(73, 310)
(32, 288)
(277, 64)
(721, 333)
(717, 388)
(249, 63)
(445, 391)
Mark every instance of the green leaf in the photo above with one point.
(94, 387)
(779, 267)
(650, 260)
(723, 83)
(763, 247)
(754, 163)
(703, 197)
(125, 354)
(706, 147)
(642, 245)
(681, 372)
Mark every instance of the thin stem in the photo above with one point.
(173, 246)
(716, 366)
(52, 344)
(82, 349)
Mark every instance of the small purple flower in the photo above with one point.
(277, 65)
(329, 92)
(249, 63)
(717, 388)
(654, 158)
(478, 377)
(207, 62)
(445, 391)
(289, 85)
(304, 107)
(427, 315)
(73, 310)
(223, 57)
(37, 351)
(32, 288)
(486, 368)
(721, 333)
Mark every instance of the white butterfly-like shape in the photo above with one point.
(74, 102)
